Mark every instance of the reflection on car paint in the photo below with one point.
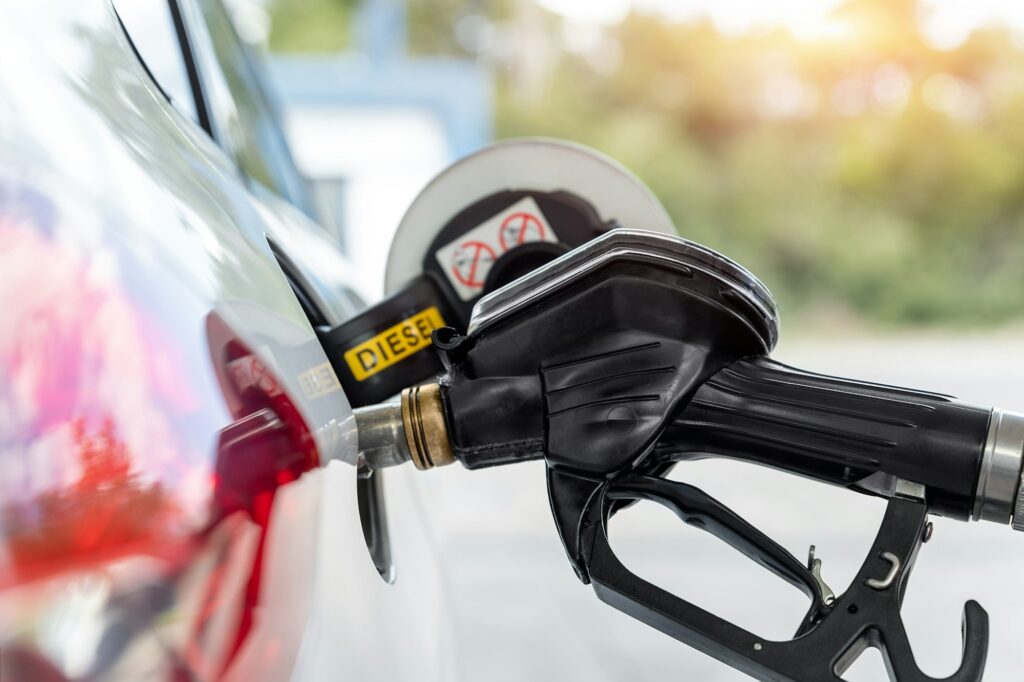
(117, 441)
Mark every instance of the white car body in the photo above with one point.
(133, 250)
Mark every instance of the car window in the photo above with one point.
(151, 29)
(254, 131)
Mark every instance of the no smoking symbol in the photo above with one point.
(519, 228)
(471, 262)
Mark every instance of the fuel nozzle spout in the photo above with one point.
(412, 429)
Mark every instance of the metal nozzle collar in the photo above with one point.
(425, 429)
(413, 429)
(999, 496)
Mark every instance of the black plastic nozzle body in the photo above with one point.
(651, 353)
(637, 370)
(850, 433)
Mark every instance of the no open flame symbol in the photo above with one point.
(519, 228)
(471, 263)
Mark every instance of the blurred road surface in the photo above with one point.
(522, 615)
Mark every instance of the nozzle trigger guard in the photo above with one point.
(830, 637)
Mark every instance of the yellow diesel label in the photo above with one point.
(394, 344)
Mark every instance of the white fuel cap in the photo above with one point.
(535, 164)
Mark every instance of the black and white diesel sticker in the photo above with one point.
(467, 260)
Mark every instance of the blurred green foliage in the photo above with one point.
(866, 172)
(311, 25)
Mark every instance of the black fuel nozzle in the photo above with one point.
(641, 350)
(637, 351)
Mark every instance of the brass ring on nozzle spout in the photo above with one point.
(426, 432)
(414, 429)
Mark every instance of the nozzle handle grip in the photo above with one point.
(845, 432)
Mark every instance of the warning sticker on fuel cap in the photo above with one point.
(467, 260)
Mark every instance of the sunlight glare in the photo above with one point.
(590, 11)
(946, 23)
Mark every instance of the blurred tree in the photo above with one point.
(310, 25)
(432, 26)
(864, 170)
